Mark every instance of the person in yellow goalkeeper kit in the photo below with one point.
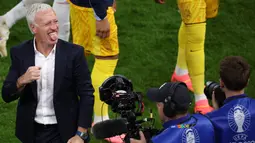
(93, 27)
(191, 58)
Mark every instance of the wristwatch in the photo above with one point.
(83, 135)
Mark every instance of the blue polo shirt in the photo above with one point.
(194, 128)
(234, 122)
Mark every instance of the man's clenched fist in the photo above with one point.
(32, 74)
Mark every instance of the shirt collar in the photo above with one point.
(37, 52)
(234, 97)
(176, 121)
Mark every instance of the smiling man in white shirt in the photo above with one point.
(50, 77)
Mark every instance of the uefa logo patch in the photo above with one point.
(239, 119)
(190, 135)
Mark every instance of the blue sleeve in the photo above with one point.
(100, 8)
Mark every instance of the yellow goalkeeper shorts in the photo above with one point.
(192, 11)
(83, 26)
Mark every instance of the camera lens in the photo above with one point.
(210, 86)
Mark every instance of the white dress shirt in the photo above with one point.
(45, 113)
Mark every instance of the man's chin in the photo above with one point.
(51, 42)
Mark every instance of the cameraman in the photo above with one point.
(235, 120)
(173, 101)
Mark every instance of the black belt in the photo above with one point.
(38, 125)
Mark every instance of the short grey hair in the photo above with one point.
(33, 9)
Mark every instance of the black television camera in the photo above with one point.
(219, 94)
(117, 91)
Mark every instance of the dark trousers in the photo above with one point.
(47, 134)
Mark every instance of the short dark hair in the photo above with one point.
(235, 72)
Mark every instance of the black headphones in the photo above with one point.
(170, 106)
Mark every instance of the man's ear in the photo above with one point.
(248, 82)
(159, 104)
(33, 28)
(222, 84)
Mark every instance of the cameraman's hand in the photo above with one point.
(142, 139)
(214, 103)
